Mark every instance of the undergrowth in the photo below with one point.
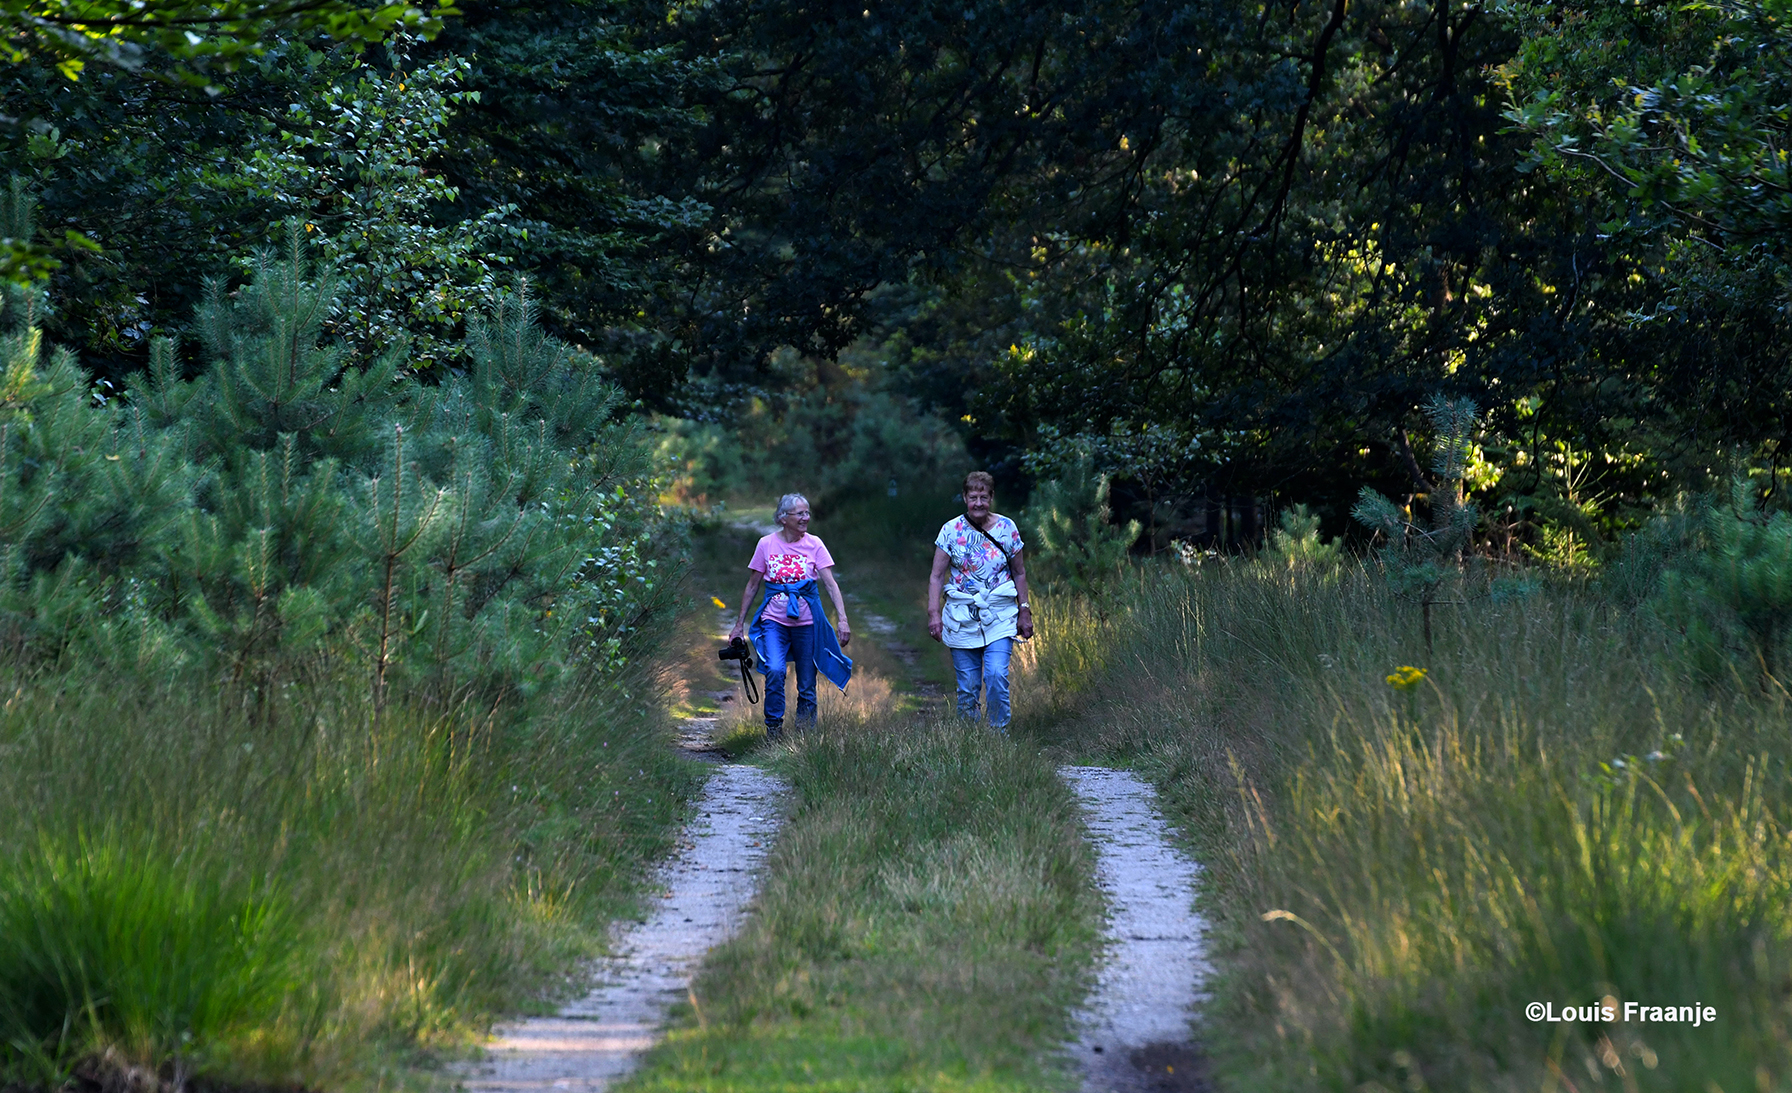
(306, 892)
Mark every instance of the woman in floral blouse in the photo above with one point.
(977, 598)
(789, 630)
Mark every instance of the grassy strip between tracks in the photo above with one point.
(926, 921)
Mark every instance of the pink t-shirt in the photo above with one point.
(784, 562)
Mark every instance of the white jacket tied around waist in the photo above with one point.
(972, 620)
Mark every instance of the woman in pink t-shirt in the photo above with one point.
(790, 630)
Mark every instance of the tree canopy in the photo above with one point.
(1216, 247)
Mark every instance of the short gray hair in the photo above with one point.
(788, 502)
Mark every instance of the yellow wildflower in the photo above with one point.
(1406, 677)
(718, 603)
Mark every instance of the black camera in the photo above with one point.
(738, 649)
(741, 653)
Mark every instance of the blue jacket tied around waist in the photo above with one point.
(829, 660)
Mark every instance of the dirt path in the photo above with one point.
(1135, 1034)
(597, 1039)
(885, 632)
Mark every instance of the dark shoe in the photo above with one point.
(774, 733)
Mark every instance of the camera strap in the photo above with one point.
(747, 682)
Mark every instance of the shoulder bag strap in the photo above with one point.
(1007, 559)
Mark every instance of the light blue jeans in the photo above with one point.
(789, 647)
(984, 670)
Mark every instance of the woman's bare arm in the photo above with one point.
(827, 581)
(935, 582)
(754, 577)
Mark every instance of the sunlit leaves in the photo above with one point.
(354, 159)
(202, 38)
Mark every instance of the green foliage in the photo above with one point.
(1731, 596)
(1070, 533)
(1635, 574)
(1681, 105)
(1163, 462)
(584, 116)
(172, 189)
(1271, 287)
(906, 133)
(201, 37)
(1666, 122)
(1296, 543)
(287, 509)
(270, 377)
(1173, 223)
(24, 258)
(847, 435)
(352, 158)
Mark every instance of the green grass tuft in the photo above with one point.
(109, 944)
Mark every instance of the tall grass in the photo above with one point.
(116, 946)
(303, 891)
(926, 920)
(1556, 812)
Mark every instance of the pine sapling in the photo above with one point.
(1420, 560)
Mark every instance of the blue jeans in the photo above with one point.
(789, 647)
(984, 669)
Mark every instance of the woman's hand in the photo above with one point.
(934, 627)
(734, 635)
(842, 629)
(1026, 623)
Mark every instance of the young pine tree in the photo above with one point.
(1072, 530)
(1420, 561)
(270, 376)
(82, 500)
(1730, 598)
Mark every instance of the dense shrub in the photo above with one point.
(280, 510)
(1070, 531)
(1730, 597)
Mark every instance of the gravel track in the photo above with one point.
(1135, 1033)
(705, 892)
